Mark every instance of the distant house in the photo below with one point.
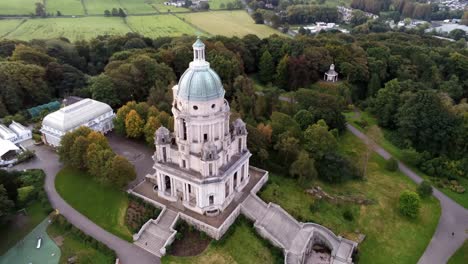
(94, 114)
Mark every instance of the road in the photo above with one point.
(454, 218)
(47, 160)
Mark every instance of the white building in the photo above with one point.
(87, 112)
(21, 132)
(7, 134)
(8, 152)
(206, 161)
(331, 75)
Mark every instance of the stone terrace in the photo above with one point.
(146, 189)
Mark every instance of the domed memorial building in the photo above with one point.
(206, 161)
(202, 176)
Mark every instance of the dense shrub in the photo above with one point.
(348, 215)
(409, 204)
(334, 168)
(424, 189)
(411, 156)
(391, 164)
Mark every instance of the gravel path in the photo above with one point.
(47, 160)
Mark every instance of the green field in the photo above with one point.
(239, 245)
(460, 198)
(17, 7)
(97, 7)
(66, 7)
(138, 6)
(461, 255)
(161, 25)
(75, 246)
(390, 237)
(71, 28)
(216, 4)
(102, 204)
(7, 26)
(228, 23)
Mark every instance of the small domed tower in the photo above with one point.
(206, 161)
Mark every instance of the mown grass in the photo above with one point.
(66, 7)
(461, 255)
(138, 6)
(8, 25)
(71, 28)
(17, 7)
(239, 245)
(228, 23)
(390, 237)
(102, 204)
(460, 198)
(73, 246)
(161, 25)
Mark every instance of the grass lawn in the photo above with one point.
(390, 238)
(161, 25)
(71, 28)
(66, 7)
(17, 7)
(460, 256)
(102, 204)
(216, 4)
(99, 6)
(10, 233)
(138, 6)
(74, 246)
(460, 198)
(8, 25)
(228, 23)
(240, 245)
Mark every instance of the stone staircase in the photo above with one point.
(155, 233)
(275, 224)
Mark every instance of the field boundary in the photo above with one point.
(13, 30)
(85, 9)
(190, 24)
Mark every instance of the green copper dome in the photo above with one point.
(200, 84)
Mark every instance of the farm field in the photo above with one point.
(6, 26)
(228, 23)
(138, 6)
(161, 25)
(216, 4)
(66, 7)
(17, 7)
(97, 7)
(71, 28)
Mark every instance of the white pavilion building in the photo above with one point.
(205, 162)
(331, 75)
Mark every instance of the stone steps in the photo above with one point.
(167, 218)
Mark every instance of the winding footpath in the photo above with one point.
(454, 218)
(47, 160)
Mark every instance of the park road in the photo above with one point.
(47, 160)
(454, 218)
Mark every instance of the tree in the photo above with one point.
(40, 10)
(119, 121)
(453, 87)
(424, 189)
(59, 13)
(98, 160)
(391, 164)
(67, 142)
(281, 123)
(6, 205)
(107, 13)
(288, 147)
(78, 152)
(115, 12)
(409, 204)
(150, 128)
(282, 73)
(303, 168)
(257, 17)
(122, 13)
(319, 141)
(426, 122)
(121, 171)
(334, 168)
(358, 18)
(133, 124)
(266, 67)
(31, 55)
(102, 89)
(386, 103)
(263, 155)
(457, 34)
(304, 118)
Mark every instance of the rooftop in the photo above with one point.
(75, 115)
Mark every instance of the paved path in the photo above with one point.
(47, 160)
(454, 218)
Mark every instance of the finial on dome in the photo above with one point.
(198, 50)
